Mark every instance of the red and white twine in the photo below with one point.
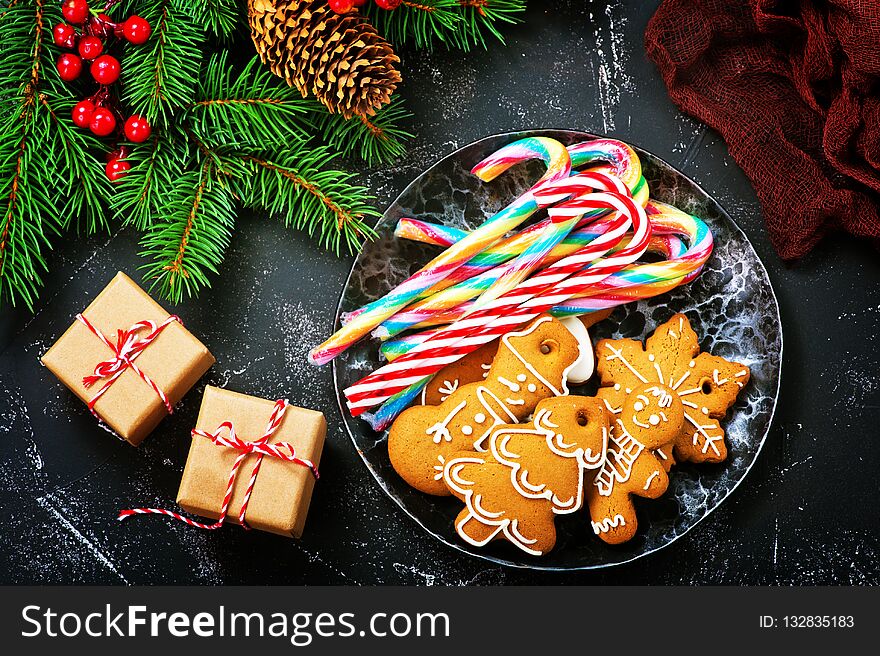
(128, 346)
(225, 436)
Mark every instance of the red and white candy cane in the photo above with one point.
(525, 302)
(126, 349)
(225, 436)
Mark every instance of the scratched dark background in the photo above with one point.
(806, 514)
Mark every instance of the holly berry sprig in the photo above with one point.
(100, 113)
(345, 6)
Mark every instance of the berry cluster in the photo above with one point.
(100, 113)
(345, 6)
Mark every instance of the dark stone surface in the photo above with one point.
(804, 514)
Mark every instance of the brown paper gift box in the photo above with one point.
(280, 500)
(174, 361)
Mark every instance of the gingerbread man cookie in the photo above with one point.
(530, 365)
(706, 385)
(530, 473)
(650, 418)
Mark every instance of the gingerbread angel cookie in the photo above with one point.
(530, 366)
(530, 473)
(705, 385)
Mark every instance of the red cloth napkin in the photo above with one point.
(794, 89)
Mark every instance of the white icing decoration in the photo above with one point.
(705, 410)
(563, 383)
(608, 523)
(638, 406)
(582, 370)
(447, 388)
(532, 388)
(440, 431)
(479, 417)
(618, 462)
(710, 439)
(514, 401)
(439, 468)
(522, 378)
(466, 430)
(651, 478)
(513, 387)
(653, 420)
(510, 528)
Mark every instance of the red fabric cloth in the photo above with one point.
(794, 89)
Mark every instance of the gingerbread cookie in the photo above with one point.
(705, 385)
(650, 418)
(568, 434)
(494, 509)
(530, 473)
(475, 366)
(531, 365)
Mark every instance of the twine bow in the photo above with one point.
(128, 346)
(225, 436)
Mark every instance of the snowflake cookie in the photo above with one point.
(705, 385)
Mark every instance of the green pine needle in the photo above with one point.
(376, 140)
(220, 17)
(479, 18)
(324, 202)
(251, 108)
(421, 22)
(161, 75)
(186, 246)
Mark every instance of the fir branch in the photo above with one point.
(84, 182)
(188, 243)
(252, 108)
(140, 195)
(479, 17)
(162, 75)
(420, 21)
(378, 139)
(293, 185)
(220, 17)
(28, 213)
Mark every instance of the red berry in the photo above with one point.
(69, 66)
(105, 69)
(136, 30)
(75, 11)
(360, 3)
(102, 25)
(388, 4)
(341, 6)
(116, 169)
(90, 47)
(82, 113)
(64, 35)
(137, 129)
(103, 122)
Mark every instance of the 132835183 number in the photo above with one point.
(818, 621)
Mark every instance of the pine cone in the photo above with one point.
(340, 59)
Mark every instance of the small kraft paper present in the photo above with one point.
(128, 359)
(253, 462)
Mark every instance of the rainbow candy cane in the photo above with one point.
(532, 297)
(602, 155)
(458, 295)
(558, 166)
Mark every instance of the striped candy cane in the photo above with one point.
(225, 436)
(534, 255)
(126, 349)
(558, 166)
(527, 301)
